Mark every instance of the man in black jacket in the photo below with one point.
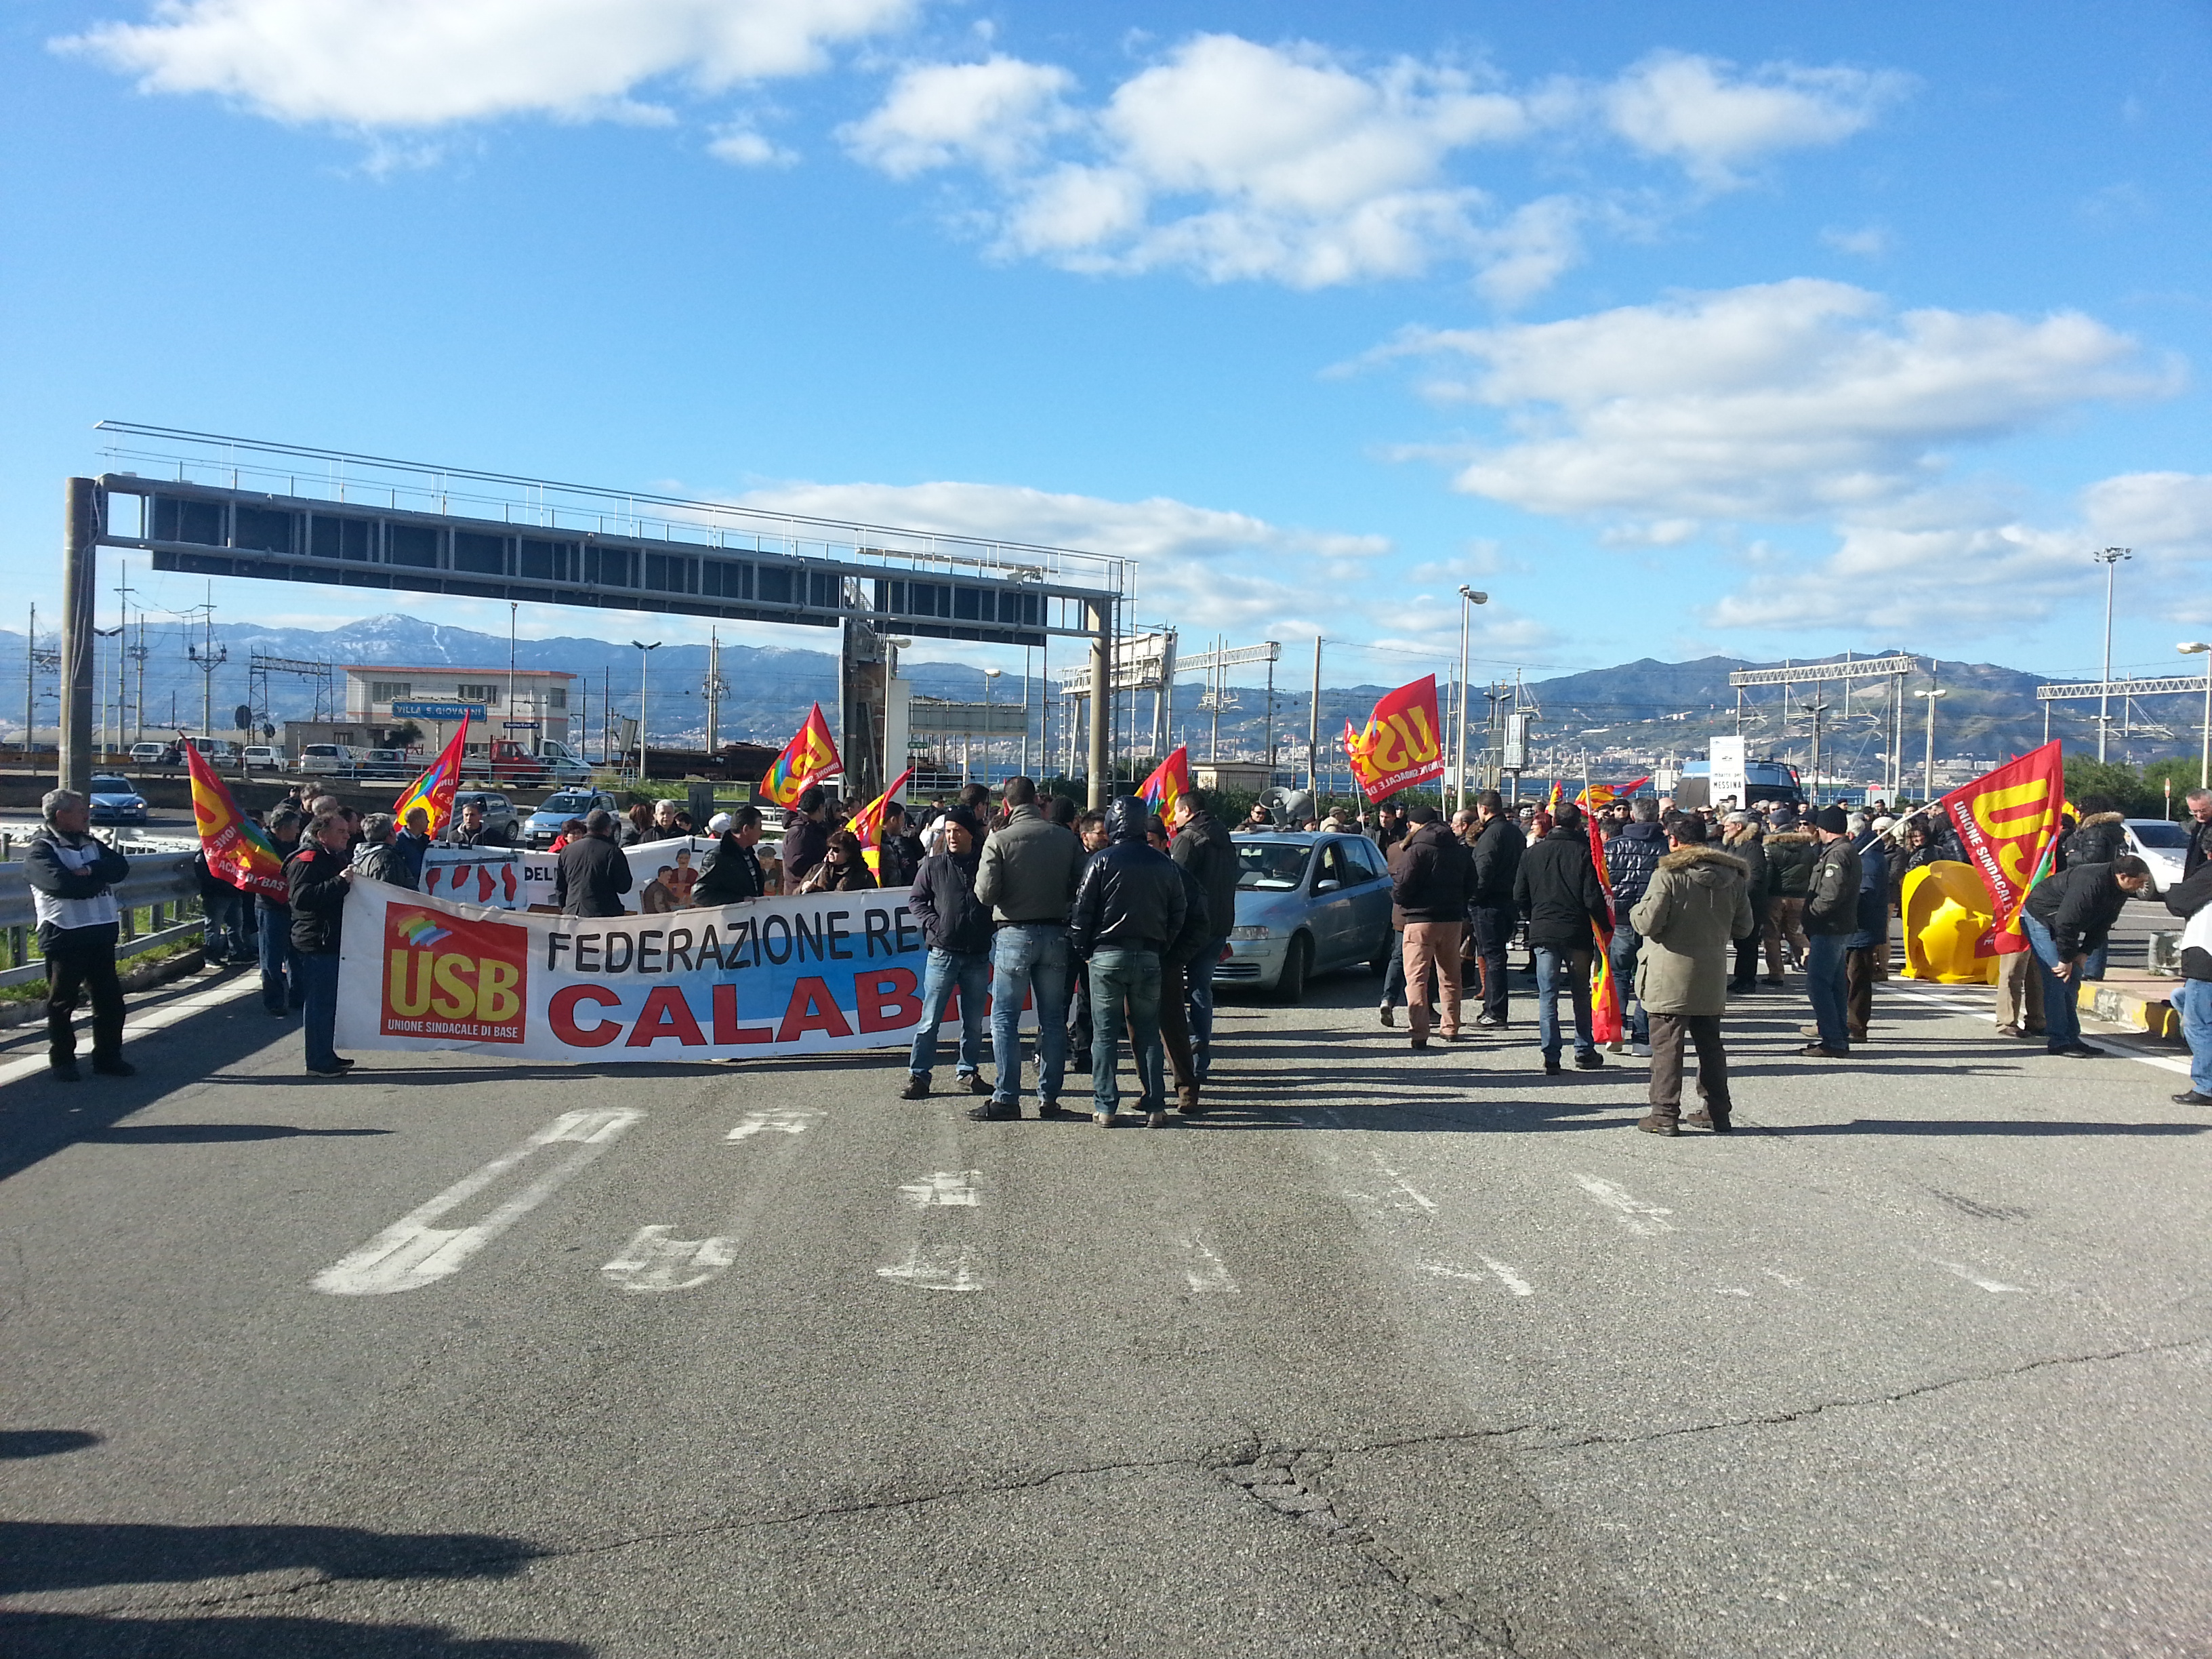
(72, 877)
(2200, 832)
(2067, 919)
(1831, 916)
(1630, 859)
(594, 873)
(805, 835)
(473, 831)
(1202, 847)
(2191, 900)
(1175, 971)
(1129, 906)
(1499, 845)
(319, 877)
(1557, 888)
(957, 925)
(1433, 877)
(736, 875)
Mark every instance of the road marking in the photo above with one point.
(934, 1273)
(1783, 1278)
(140, 1021)
(1633, 1212)
(1730, 1290)
(945, 1187)
(411, 1253)
(1504, 1275)
(1995, 1286)
(778, 1120)
(1421, 1199)
(653, 1261)
(2120, 1043)
(1203, 1266)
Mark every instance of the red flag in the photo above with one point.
(867, 823)
(1606, 1019)
(809, 757)
(2008, 820)
(1403, 744)
(236, 849)
(1169, 781)
(434, 790)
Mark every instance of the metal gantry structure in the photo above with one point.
(216, 506)
(1894, 669)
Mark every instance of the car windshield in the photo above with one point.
(567, 804)
(2164, 836)
(111, 785)
(1274, 866)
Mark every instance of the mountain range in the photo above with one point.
(1636, 711)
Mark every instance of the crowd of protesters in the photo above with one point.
(1112, 924)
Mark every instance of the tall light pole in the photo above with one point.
(989, 676)
(2195, 648)
(1928, 774)
(644, 656)
(1469, 599)
(2109, 557)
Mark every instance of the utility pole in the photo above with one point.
(644, 657)
(1928, 761)
(511, 710)
(30, 681)
(1469, 599)
(714, 686)
(1313, 731)
(80, 567)
(2109, 557)
(209, 657)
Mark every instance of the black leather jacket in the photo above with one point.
(1130, 898)
(1203, 848)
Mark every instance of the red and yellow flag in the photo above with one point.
(1605, 1020)
(1169, 781)
(2008, 820)
(434, 790)
(236, 849)
(809, 757)
(867, 823)
(1597, 796)
(1403, 744)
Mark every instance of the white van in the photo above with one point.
(328, 759)
(215, 751)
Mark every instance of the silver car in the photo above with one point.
(1306, 904)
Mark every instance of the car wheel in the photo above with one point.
(1290, 986)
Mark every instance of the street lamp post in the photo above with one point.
(644, 656)
(2109, 557)
(1928, 774)
(989, 676)
(1468, 598)
(2195, 648)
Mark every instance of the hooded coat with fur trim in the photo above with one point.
(1698, 905)
(2099, 838)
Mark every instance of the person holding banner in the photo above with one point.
(320, 879)
(956, 925)
(2068, 918)
(592, 874)
(805, 835)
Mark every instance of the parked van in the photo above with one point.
(216, 751)
(328, 759)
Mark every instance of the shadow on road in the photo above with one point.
(190, 1134)
(75, 1635)
(44, 1442)
(54, 1555)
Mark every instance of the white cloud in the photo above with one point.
(417, 63)
(1867, 242)
(743, 147)
(1239, 161)
(994, 114)
(1687, 110)
(1780, 400)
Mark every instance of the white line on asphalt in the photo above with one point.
(1730, 1290)
(1633, 1212)
(1783, 1278)
(2120, 1043)
(410, 1252)
(926, 1272)
(142, 1022)
(1406, 1187)
(1503, 1274)
(781, 1120)
(1511, 1280)
(1995, 1286)
(653, 1261)
(1203, 1268)
(954, 1187)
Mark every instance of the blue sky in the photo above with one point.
(1679, 329)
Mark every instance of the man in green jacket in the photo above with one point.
(1697, 904)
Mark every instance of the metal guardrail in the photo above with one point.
(154, 879)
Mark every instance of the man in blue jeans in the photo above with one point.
(1556, 887)
(957, 925)
(1831, 916)
(1202, 847)
(1129, 905)
(1028, 878)
(2192, 998)
(2067, 918)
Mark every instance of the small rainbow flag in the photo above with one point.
(434, 790)
(1169, 781)
(809, 757)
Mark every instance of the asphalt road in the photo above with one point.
(1392, 1353)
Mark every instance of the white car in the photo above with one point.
(147, 754)
(260, 758)
(2161, 844)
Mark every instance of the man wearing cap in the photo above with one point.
(957, 925)
(1742, 842)
(1831, 917)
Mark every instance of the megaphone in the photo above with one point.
(1288, 805)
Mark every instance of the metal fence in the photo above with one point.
(161, 888)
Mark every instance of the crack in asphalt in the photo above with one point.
(1802, 1413)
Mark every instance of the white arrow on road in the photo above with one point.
(1635, 1214)
(411, 1253)
(653, 1263)
(777, 1120)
